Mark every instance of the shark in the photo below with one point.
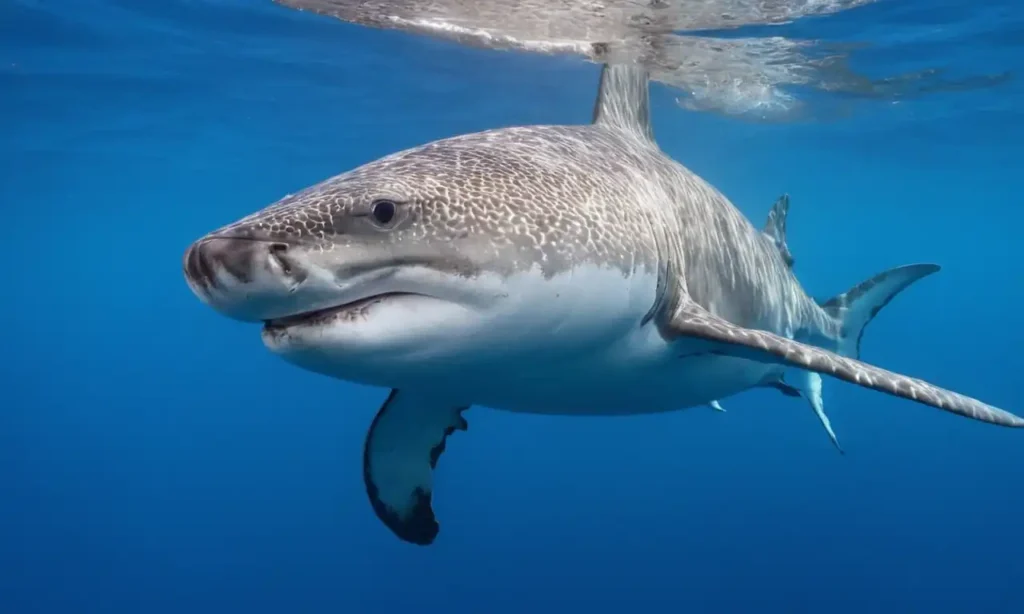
(775, 231)
(573, 270)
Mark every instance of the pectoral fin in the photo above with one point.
(402, 448)
(715, 405)
(691, 320)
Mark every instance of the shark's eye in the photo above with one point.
(383, 212)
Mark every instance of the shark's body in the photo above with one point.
(544, 269)
(586, 299)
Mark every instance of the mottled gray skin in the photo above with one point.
(499, 200)
(505, 200)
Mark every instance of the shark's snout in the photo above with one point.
(207, 257)
(243, 278)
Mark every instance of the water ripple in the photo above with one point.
(755, 59)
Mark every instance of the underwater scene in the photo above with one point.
(512, 306)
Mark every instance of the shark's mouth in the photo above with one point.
(352, 311)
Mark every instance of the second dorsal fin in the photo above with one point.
(775, 228)
(623, 100)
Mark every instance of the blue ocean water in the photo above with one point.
(155, 458)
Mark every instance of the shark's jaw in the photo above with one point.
(373, 319)
(413, 323)
(350, 311)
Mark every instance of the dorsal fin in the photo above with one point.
(623, 100)
(775, 228)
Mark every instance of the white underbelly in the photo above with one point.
(574, 343)
(588, 352)
(620, 384)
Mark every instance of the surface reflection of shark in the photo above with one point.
(573, 270)
(753, 77)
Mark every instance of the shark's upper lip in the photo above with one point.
(311, 317)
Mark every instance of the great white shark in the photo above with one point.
(574, 270)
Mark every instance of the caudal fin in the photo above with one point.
(856, 307)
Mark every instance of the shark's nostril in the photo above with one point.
(244, 278)
(277, 252)
(289, 266)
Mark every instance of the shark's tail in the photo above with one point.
(856, 307)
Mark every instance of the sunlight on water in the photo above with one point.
(713, 67)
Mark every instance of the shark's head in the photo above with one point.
(402, 261)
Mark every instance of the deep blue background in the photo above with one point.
(155, 458)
